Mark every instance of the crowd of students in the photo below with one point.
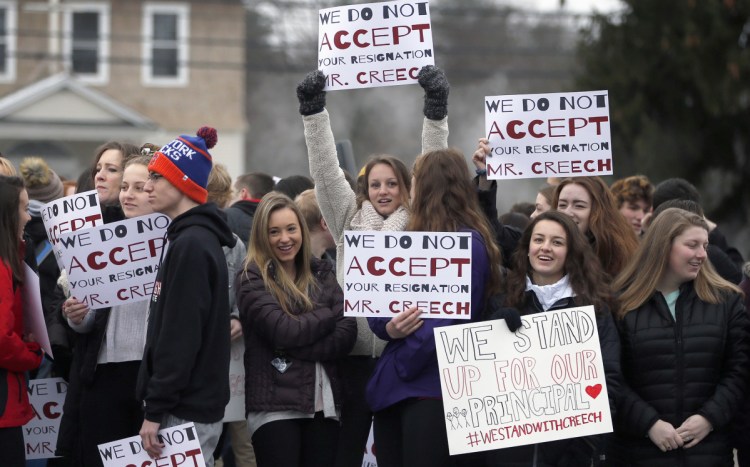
(267, 270)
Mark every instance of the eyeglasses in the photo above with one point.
(154, 177)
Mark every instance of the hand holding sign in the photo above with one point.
(74, 310)
(405, 323)
(149, 435)
(479, 158)
(436, 89)
(310, 93)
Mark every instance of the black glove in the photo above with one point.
(496, 310)
(310, 93)
(436, 89)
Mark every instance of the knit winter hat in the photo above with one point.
(186, 163)
(42, 183)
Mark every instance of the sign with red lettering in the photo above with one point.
(387, 272)
(235, 409)
(70, 214)
(181, 448)
(374, 44)
(47, 397)
(115, 263)
(548, 135)
(545, 382)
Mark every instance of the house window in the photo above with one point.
(8, 27)
(87, 42)
(165, 44)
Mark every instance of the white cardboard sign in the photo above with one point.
(235, 409)
(374, 44)
(70, 214)
(544, 382)
(181, 448)
(47, 397)
(387, 272)
(115, 263)
(548, 135)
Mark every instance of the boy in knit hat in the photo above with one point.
(183, 375)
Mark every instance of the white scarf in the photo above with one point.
(367, 218)
(548, 295)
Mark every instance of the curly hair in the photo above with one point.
(633, 189)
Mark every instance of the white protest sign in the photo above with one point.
(70, 214)
(181, 448)
(387, 272)
(548, 135)
(47, 397)
(369, 459)
(33, 313)
(114, 263)
(374, 44)
(545, 382)
(235, 409)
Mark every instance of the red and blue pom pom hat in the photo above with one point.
(186, 163)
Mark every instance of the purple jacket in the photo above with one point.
(409, 367)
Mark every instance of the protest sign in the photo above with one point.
(548, 135)
(47, 397)
(33, 313)
(70, 214)
(374, 44)
(181, 449)
(544, 382)
(369, 459)
(387, 272)
(115, 263)
(235, 409)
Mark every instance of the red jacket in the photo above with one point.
(16, 356)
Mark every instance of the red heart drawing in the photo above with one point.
(593, 391)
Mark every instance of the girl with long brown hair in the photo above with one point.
(404, 390)
(554, 268)
(588, 201)
(17, 354)
(684, 333)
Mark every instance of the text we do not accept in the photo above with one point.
(386, 273)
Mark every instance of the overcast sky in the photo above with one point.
(578, 6)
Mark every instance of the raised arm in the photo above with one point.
(435, 110)
(337, 200)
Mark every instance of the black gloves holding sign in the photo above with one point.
(312, 97)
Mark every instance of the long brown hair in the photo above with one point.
(609, 233)
(638, 281)
(402, 176)
(10, 198)
(445, 201)
(292, 293)
(585, 274)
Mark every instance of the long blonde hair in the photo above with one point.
(638, 280)
(292, 293)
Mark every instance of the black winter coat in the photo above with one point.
(568, 452)
(185, 364)
(696, 364)
(322, 335)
